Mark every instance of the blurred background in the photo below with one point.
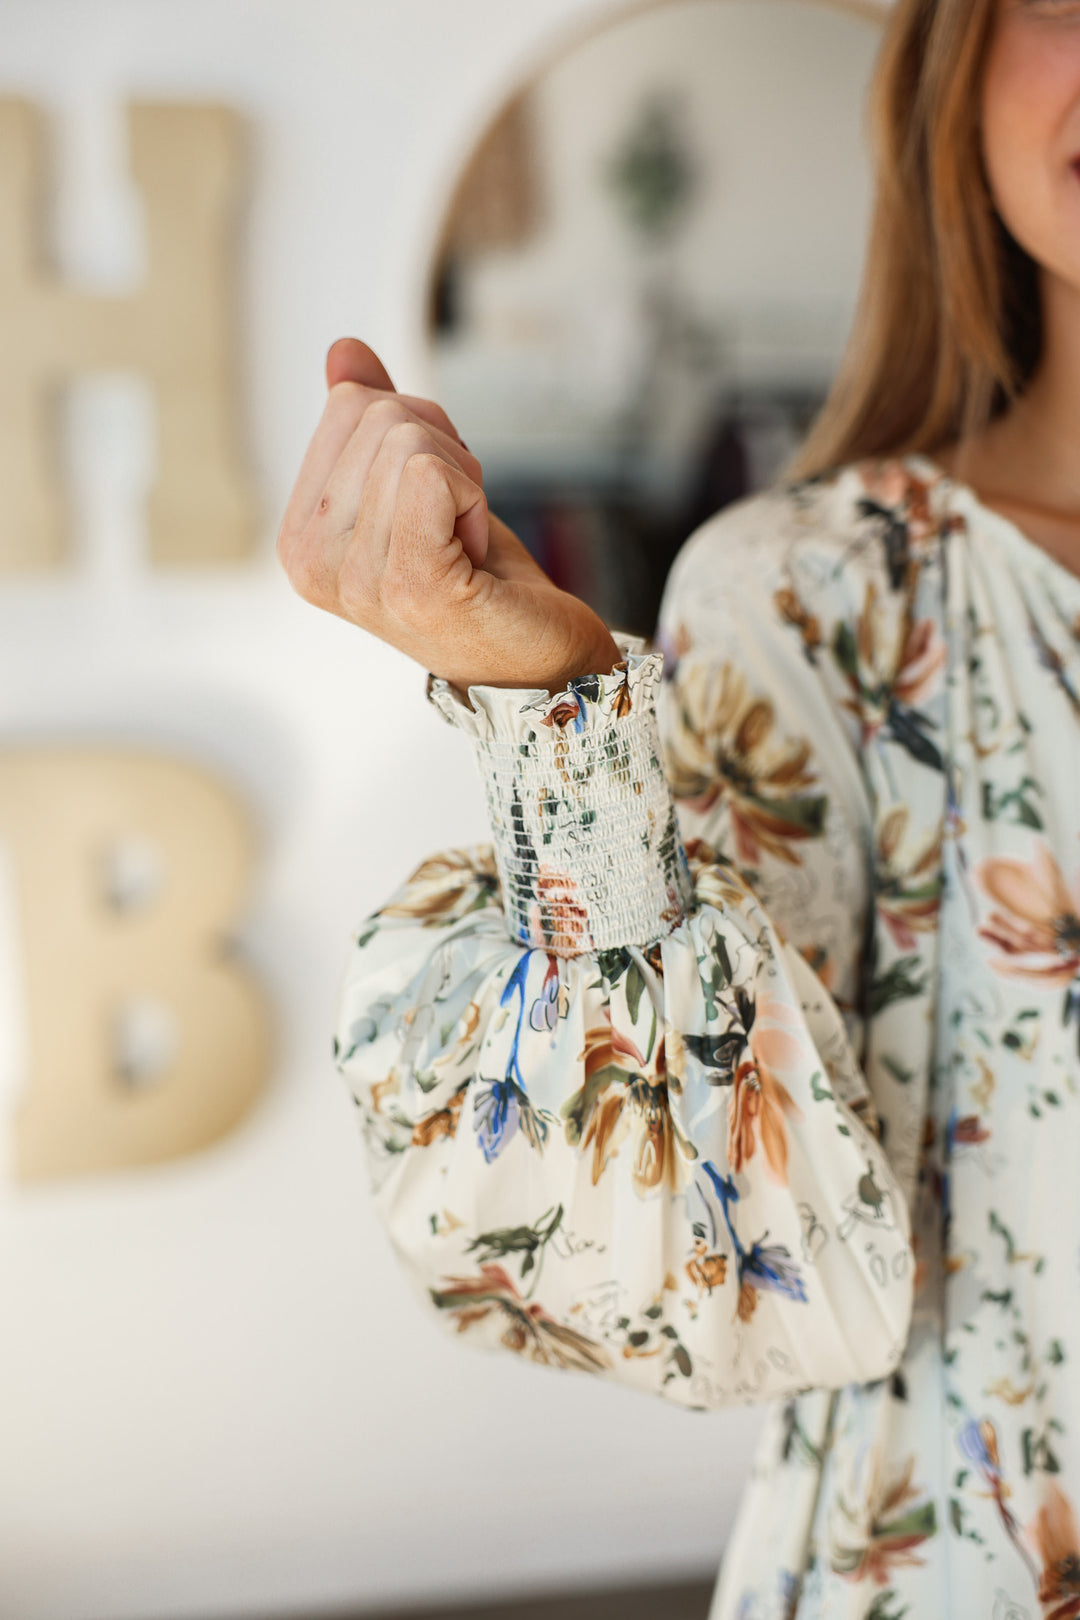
(621, 244)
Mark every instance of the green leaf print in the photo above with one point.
(900, 1073)
(819, 1092)
(919, 1524)
(1012, 1253)
(845, 651)
(1023, 1032)
(997, 805)
(909, 728)
(635, 984)
(612, 964)
(898, 983)
(956, 1519)
(714, 971)
(1038, 1453)
(528, 1241)
(882, 1609)
(640, 1341)
(797, 1445)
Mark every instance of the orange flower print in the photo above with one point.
(622, 703)
(706, 1270)
(527, 1328)
(911, 670)
(716, 881)
(908, 878)
(759, 1099)
(441, 1122)
(893, 668)
(563, 713)
(792, 609)
(922, 662)
(874, 1536)
(1035, 924)
(1055, 1534)
(446, 887)
(557, 915)
(625, 1096)
(723, 748)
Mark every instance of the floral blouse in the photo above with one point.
(743, 1064)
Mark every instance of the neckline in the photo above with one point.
(1041, 560)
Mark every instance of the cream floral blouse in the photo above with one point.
(744, 1064)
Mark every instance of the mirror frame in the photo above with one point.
(567, 39)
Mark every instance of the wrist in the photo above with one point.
(601, 658)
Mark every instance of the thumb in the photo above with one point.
(349, 360)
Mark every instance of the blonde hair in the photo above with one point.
(948, 326)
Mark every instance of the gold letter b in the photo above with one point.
(99, 938)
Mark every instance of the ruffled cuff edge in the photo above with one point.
(516, 714)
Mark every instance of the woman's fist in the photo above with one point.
(387, 526)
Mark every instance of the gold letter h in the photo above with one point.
(178, 329)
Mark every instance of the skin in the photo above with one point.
(387, 526)
(1027, 464)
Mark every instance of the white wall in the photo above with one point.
(770, 96)
(216, 1396)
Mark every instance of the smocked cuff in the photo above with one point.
(583, 824)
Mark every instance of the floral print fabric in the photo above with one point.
(665, 1165)
(585, 840)
(653, 1163)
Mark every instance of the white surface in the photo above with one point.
(216, 1396)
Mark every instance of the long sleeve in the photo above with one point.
(613, 1115)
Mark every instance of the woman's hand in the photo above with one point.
(388, 527)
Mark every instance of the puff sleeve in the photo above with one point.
(605, 1068)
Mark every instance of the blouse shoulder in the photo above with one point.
(811, 554)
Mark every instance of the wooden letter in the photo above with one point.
(129, 871)
(178, 330)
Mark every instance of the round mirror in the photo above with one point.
(646, 276)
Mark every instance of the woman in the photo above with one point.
(644, 1147)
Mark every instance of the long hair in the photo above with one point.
(948, 326)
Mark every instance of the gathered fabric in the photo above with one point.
(584, 833)
(745, 1063)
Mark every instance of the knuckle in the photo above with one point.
(347, 399)
(427, 467)
(346, 389)
(310, 572)
(407, 436)
(385, 413)
(433, 406)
